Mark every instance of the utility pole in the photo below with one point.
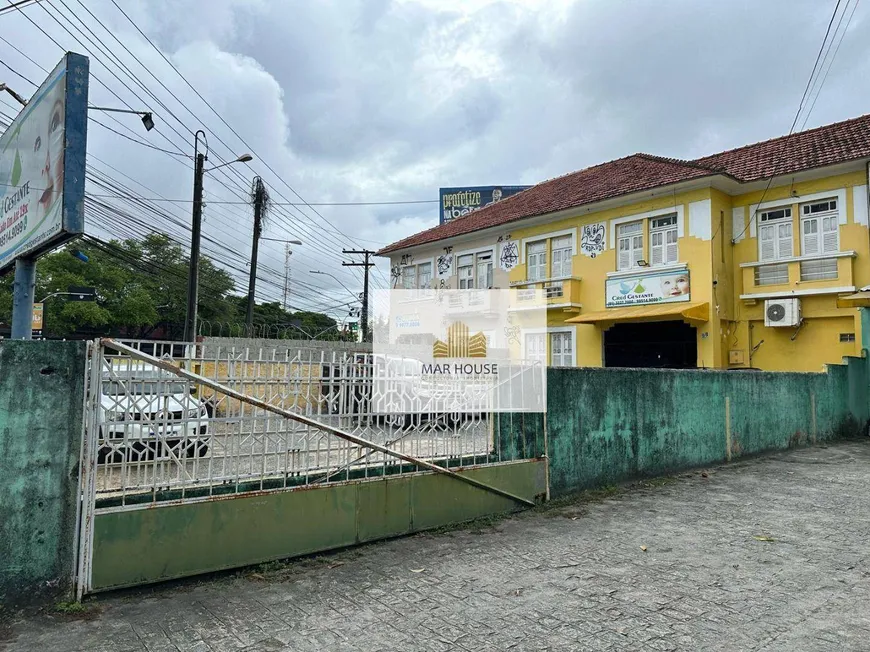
(195, 233)
(364, 313)
(261, 201)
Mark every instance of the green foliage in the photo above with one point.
(141, 286)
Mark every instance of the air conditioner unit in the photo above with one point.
(782, 312)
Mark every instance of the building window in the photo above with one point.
(629, 245)
(663, 240)
(536, 261)
(820, 228)
(484, 270)
(561, 350)
(465, 266)
(475, 271)
(847, 337)
(409, 277)
(424, 275)
(775, 240)
(562, 251)
(536, 347)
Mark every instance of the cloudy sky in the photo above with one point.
(386, 100)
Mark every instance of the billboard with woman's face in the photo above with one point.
(42, 166)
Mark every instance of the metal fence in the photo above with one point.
(248, 420)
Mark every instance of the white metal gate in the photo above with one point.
(167, 425)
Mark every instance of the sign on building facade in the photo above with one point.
(647, 286)
(459, 202)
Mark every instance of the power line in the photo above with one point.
(137, 141)
(242, 140)
(280, 214)
(787, 138)
(836, 50)
(17, 5)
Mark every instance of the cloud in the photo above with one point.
(357, 100)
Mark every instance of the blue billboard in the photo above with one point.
(459, 202)
(42, 166)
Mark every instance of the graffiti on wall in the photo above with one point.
(508, 254)
(592, 239)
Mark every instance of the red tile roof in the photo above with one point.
(836, 143)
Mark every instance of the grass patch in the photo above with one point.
(77, 610)
(70, 608)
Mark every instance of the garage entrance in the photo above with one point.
(662, 344)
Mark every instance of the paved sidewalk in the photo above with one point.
(769, 554)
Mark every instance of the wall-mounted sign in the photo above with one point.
(647, 286)
(459, 202)
(42, 165)
(593, 241)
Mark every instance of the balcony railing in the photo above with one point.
(561, 291)
(818, 272)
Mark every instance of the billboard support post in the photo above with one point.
(22, 298)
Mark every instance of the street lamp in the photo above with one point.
(196, 232)
(243, 158)
(147, 118)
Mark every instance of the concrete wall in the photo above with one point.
(213, 346)
(608, 426)
(41, 402)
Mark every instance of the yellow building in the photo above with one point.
(750, 258)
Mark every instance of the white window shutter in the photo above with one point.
(767, 250)
(636, 249)
(624, 253)
(657, 248)
(785, 241)
(810, 237)
(671, 255)
(830, 235)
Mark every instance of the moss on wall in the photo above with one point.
(41, 402)
(611, 425)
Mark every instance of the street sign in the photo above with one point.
(37, 316)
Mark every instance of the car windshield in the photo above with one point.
(144, 388)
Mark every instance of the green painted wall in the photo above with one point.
(173, 541)
(610, 425)
(41, 398)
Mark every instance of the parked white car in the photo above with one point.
(146, 414)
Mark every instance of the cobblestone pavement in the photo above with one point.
(768, 554)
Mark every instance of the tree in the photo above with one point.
(140, 286)
(141, 293)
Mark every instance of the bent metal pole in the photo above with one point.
(354, 439)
